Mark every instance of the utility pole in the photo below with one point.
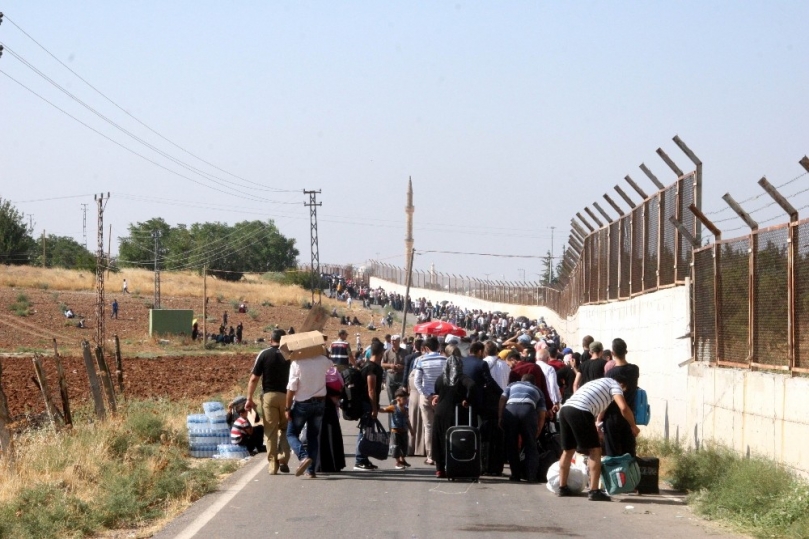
(156, 236)
(204, 305)
(102, 203)
(84, 223)
(312, 205)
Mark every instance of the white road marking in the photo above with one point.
(224, 498)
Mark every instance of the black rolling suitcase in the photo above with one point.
(463, 450)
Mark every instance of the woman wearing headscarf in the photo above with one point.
(618, 436)
(331, 455)
(452, 389)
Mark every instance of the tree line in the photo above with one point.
(228, 251)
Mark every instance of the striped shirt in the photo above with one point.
(524, 393)
(595, 396)
(238, 431)
(339, 352)
(428, 368)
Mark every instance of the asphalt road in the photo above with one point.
(413, 504)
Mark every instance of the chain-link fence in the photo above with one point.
(751, 300)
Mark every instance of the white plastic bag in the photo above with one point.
(576, 480)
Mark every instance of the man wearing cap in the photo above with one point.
(305, 405)
(393, 362)
(273, 369)
(340, 352)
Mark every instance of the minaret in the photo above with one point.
(409, 211)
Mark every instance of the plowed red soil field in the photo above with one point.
(151, 369)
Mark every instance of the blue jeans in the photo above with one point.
(366, 420)
(311, 415)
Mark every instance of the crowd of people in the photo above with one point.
(512, 378)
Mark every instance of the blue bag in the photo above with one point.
(643, 412)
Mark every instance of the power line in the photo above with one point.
(255, 199)
(99, 92)
(190, 168)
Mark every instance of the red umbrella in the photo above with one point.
(439, 328)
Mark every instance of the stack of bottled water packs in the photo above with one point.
(209, 434)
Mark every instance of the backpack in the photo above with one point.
(620, 474)
(643, 412)
(350, 397)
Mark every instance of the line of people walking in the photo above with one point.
(519, 391)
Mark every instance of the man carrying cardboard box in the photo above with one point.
(306, 395)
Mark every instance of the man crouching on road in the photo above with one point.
(577, 419)
(305, 404)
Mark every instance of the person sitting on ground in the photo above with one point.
(355, 321)
(69, 313)
(242, 433)
(242, 308)
(80, 324)
(399, 426)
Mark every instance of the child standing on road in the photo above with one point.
(399, 425)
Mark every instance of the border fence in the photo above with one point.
(751, 295)
(638, 252)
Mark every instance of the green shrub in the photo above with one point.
(44, 510)
(695, 470)
(253, 315)
(21, 307)
(754, 494)
(146, 424)
(41, 285)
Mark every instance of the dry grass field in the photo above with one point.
(32, 301)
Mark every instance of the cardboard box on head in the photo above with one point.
(303, 345)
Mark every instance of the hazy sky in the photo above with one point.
(508, 116)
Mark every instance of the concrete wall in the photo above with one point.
(170, 321)
(752, 412)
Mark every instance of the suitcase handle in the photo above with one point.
(456, 415)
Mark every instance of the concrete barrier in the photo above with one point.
(753, 412)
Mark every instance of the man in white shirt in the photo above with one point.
(428, 368)
(543, 355)
(498, 368)
(305, 404)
